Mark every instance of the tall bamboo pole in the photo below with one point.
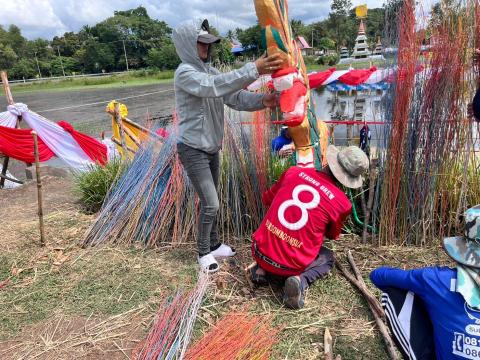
(118, 120)
(39, 188)
(9, 97)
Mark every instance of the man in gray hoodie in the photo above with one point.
(201, 92)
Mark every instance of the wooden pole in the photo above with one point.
(114, 140)
(369, 205)
(118, 120)
(9, 97)
(139, 127)
(39, 188)
(132, 136)
(6, 88)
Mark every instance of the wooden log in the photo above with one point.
(119, 144)
(368, 296)
(39, 188)
(328, 344)
(132, 136)
(372, 302)
(391, 349)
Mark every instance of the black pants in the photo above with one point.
(318, 269)
(203, 170)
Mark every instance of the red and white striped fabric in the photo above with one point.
(349, 77)
(77, 150)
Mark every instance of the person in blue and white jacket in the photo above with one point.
(451, 298)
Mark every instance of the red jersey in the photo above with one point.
(305, 206)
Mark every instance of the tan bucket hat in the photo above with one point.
(347, 165)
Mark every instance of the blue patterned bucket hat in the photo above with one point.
(466, 249)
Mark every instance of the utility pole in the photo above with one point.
(38, 66)
(61, 62)
(125, 52)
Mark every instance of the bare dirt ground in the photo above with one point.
(63, 301)
(68, 105)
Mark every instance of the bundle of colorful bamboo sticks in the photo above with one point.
(429, 159)
(144, 203)
(153, 203)
(237, 336)
(172, 328)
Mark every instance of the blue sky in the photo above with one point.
(48, 18)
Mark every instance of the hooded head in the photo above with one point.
(185, 38)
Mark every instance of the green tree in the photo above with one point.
(222, 52)
(7, 57)
(97, 57)
(316, 31)
(70, 66)
(230, 35)
(15, 39)
(67, 44)
(23, 69)
(165, 58)
(326, 43)
(251, 38)
(39, 47)
(298, 27)
(338, 18)
(135, 30)
(375, 24)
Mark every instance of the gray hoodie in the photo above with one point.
(201, 92)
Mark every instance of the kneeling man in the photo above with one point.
(305, 206)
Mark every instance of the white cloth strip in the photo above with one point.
(8, 119)
(335, 75)
(55, 137)
(379, 75)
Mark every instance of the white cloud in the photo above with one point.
(34, 17)
(47, 18)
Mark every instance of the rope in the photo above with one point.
(105, 102)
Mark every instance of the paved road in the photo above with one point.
(92, 119)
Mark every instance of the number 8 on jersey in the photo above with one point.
(303, 206)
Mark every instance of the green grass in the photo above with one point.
(93, 185)
(134, 78)
(336, 305)
(103, 283)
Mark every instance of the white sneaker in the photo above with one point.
(208, 263)
(223, 251)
